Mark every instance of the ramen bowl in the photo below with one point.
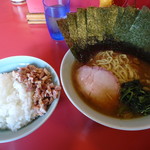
(139, 123)
(12, 63)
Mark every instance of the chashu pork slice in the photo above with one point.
(99, 86)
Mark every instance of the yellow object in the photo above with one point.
(106, 3)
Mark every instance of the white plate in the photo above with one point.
(65, 75)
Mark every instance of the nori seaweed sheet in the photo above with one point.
(118, 19)
(125, 22)
(72, 26)
(106, 19)
(101, 23)
(63, 26)
(81, 28)
(92, 25)
(140, 28)
(139, 33)
(110, 19)
(80, 54)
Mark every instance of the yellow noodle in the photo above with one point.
(123, 58)
(119, 64)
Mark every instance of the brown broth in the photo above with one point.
(122, 111)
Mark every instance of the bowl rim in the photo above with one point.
(115, 123)
(23, 60)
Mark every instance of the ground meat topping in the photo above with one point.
(38, 80)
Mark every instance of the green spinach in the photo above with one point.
(135, 97)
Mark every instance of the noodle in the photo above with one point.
(118, 64)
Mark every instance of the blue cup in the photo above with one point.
(54, 10)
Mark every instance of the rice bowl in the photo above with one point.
(12, 63)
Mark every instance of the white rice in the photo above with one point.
(15, 103)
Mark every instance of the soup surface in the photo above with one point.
(124, 68)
